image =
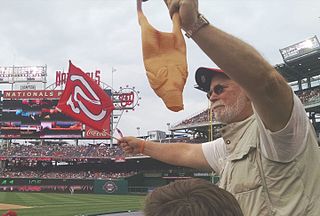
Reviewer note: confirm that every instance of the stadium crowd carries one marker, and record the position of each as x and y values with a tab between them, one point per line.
309	96
62	151
185	139
202	117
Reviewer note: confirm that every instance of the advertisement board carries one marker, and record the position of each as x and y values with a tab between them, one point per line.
46	185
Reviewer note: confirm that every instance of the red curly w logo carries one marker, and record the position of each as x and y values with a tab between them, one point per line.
84	100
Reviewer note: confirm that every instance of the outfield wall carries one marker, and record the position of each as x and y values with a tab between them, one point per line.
141	184
64	185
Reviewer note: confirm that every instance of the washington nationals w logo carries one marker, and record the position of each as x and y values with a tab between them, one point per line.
78	91
84	100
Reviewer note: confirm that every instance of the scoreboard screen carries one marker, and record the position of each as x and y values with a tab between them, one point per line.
36	118
300	49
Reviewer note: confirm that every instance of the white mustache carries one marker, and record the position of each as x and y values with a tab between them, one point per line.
216	104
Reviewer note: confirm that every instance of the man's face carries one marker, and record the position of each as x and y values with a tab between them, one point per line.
229	102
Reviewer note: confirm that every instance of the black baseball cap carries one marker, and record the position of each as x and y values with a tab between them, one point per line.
204	76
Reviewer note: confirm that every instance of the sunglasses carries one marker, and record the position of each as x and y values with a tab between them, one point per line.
218	89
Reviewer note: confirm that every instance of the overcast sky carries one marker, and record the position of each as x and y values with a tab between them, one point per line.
101	34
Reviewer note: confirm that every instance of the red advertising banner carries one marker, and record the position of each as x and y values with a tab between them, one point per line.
32	94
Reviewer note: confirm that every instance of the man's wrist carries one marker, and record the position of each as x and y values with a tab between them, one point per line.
142	146
201	22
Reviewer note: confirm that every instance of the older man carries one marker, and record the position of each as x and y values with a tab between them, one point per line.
268	156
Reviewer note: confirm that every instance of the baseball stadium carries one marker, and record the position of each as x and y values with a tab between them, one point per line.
52	164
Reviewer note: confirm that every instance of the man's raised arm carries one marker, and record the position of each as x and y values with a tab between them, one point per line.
267	89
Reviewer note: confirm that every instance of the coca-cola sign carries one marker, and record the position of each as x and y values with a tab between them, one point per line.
92	133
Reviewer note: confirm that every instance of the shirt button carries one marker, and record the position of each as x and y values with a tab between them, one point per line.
228	142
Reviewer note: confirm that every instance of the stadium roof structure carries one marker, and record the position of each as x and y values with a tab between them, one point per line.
300	68
198	127
301	60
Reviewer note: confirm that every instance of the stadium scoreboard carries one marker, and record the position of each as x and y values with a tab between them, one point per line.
33	115
36	118
300	49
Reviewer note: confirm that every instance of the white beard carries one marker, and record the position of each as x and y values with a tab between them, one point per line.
228	113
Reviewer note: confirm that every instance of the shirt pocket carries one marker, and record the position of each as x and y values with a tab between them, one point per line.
246	185
243	174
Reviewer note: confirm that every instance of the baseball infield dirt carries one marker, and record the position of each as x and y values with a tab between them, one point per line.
4	206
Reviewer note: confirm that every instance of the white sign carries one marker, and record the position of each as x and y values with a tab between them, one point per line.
23	74
300	49
28	87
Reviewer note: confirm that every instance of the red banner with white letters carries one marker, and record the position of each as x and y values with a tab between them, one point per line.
32	94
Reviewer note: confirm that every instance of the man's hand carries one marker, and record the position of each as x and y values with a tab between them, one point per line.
187	9
131	145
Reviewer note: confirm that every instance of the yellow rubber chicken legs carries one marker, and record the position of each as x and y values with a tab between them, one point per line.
164	56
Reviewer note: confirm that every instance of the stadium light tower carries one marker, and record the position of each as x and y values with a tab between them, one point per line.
138	129
171	132
112	71
168	124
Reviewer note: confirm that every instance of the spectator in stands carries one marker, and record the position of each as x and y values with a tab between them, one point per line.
10	213
191	197
268	156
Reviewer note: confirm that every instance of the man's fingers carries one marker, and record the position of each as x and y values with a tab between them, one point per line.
173	9
166	2
127	148
128	144
173	6
122	145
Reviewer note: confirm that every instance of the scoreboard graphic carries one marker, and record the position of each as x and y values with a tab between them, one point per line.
32	114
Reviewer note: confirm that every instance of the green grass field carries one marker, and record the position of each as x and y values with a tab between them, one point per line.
53	204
